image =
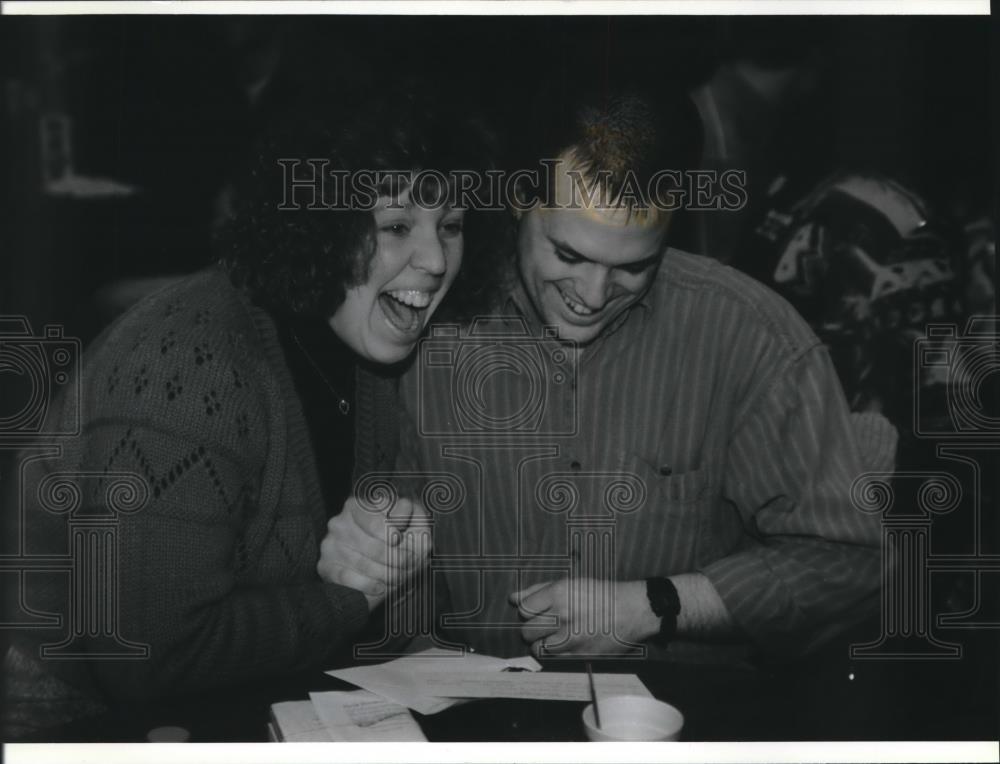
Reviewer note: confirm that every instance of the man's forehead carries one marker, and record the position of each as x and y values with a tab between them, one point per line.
579	232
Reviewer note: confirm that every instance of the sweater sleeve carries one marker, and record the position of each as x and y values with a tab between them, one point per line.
811	564
185	583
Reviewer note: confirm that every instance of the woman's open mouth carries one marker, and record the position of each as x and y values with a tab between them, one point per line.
405	309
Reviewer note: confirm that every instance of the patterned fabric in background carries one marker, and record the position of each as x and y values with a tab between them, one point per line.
871	268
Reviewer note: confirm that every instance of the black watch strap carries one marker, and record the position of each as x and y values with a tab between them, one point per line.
666	605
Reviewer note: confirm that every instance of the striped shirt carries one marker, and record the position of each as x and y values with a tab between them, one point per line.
703	431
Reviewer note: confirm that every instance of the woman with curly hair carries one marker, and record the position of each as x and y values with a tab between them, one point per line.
245	400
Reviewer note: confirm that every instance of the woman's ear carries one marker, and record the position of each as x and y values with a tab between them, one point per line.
521	201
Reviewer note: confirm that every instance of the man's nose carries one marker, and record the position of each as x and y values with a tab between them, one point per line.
593	288
428	254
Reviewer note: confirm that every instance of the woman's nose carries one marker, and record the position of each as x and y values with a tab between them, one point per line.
428	254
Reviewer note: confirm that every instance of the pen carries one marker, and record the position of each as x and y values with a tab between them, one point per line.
593	696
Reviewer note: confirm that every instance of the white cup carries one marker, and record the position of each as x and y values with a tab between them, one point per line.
632	717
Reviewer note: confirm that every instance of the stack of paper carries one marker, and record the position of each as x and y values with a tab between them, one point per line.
357	716
433	680
428	682
405	680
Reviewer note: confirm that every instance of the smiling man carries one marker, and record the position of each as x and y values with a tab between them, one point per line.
584	263
649	446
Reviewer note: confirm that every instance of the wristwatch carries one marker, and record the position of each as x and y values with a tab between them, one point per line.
666	605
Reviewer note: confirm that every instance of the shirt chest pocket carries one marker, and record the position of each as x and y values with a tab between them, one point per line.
666	534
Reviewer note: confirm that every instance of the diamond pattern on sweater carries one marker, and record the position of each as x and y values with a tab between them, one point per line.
203	354
211	401
174	387
168	341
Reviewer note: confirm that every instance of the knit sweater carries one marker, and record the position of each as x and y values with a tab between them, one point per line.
190	392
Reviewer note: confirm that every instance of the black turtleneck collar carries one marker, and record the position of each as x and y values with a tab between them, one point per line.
323	370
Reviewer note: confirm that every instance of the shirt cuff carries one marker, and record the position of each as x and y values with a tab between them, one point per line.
757	601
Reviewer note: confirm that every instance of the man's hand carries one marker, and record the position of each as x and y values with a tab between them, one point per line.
375	552
605	619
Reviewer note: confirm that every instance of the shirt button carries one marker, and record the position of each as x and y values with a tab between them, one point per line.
575	466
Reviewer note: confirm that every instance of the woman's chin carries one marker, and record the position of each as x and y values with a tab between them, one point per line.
388	353
379	342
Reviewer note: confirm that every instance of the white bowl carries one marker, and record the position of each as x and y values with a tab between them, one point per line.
632	717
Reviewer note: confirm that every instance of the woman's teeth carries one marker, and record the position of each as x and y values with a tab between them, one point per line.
411	297
579	308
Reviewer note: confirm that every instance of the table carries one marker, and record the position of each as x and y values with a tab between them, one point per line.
828	697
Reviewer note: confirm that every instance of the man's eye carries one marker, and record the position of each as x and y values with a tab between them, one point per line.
566	257
636	268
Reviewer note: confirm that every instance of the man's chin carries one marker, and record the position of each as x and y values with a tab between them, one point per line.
580	335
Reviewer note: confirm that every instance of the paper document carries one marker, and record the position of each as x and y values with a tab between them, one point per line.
404	680
295	721
360	716
542	686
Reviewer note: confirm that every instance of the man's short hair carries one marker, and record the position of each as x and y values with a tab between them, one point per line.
617	142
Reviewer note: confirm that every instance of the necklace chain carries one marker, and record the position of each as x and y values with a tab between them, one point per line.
342	403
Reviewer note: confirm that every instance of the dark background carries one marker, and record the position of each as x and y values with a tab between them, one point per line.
165	104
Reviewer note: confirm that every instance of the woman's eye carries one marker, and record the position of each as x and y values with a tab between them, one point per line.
452	229
396	229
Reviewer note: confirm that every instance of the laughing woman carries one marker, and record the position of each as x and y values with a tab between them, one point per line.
242	402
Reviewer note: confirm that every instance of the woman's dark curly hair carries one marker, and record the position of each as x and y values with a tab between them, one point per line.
303	260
